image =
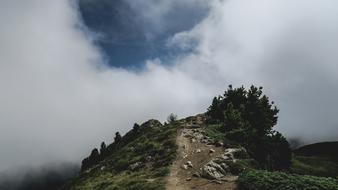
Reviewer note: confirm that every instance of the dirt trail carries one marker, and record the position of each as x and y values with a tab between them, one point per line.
191	149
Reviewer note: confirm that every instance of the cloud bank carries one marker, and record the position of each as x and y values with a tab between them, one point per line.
58	99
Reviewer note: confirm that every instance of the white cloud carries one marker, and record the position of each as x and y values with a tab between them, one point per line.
57	100
289	47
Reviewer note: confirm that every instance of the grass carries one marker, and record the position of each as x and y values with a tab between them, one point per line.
314	165
263	180
216	132
153	146
108	181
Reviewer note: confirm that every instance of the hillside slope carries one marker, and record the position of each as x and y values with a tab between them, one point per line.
172	156
140	160
323	149
319	159
188	154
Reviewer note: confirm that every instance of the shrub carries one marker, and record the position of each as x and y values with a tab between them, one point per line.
263	180
172	118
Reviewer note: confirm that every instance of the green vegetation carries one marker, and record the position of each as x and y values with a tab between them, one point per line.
138	160
320	159
172	118
240	118
247	117
123	181
264	180
215	131
312	165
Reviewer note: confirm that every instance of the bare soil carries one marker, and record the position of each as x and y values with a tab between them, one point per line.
188	150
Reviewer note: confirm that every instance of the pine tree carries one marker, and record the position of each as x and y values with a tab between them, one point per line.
117	138
103	150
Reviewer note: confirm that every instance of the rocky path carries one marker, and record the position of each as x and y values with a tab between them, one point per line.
195	151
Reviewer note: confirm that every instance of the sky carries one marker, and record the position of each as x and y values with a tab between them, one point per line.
72	73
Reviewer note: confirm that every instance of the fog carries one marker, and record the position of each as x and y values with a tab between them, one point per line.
58	99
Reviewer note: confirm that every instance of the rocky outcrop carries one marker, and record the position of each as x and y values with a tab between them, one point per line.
220	166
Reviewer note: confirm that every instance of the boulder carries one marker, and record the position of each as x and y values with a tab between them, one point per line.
148	158
196	174
213	170
189	164
220	167
135	166
184	166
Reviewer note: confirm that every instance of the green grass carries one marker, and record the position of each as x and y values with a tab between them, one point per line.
263	180
152	139
124	181
215	132
314	165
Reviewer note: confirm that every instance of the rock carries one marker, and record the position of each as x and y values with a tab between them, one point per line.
218	144
188	179
189	164
211	150
185	156
219	167
135	165
102	168
207	141
148	158
213	170
184	166
196	174
230	178
193	140
198	151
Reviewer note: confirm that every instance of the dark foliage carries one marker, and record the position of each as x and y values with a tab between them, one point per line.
319	149
172	118
93	159
248	118
117	138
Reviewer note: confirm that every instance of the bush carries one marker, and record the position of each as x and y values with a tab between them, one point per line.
172	118
263	180
235	167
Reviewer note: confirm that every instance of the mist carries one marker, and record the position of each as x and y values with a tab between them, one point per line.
59	99
52	177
